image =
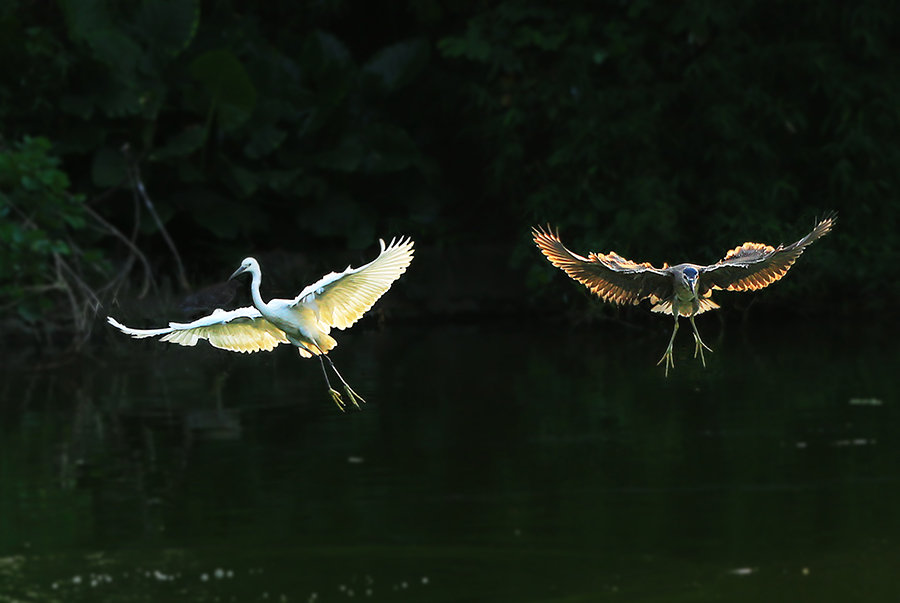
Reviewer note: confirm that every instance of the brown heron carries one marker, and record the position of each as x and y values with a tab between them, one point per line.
682	290
336	300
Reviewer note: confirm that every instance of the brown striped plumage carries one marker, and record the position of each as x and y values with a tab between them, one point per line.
684	289
752	266
611	277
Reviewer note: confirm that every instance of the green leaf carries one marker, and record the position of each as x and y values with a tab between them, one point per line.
232	93
245	181
217	214
390	149
330	51
91	22
346	157
182	144
120	100
168	25
79	105
264	140
398	64
108	167
473	46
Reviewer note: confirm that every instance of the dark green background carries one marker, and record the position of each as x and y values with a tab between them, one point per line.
300	132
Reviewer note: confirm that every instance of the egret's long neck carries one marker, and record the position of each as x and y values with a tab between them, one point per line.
254	293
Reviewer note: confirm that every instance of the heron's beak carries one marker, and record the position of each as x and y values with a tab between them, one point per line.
240	270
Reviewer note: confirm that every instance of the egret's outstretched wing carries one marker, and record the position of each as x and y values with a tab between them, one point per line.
610	276
340	299
241	330
753	266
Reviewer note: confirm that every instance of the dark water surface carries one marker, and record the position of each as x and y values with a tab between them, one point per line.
490	464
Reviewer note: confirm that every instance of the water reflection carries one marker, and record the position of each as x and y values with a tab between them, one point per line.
490	464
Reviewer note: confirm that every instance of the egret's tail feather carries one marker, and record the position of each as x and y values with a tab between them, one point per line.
323	344
136	333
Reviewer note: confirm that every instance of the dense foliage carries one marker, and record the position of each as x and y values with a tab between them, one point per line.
665	131
47	253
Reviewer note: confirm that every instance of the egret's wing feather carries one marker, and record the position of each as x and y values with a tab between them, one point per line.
241	330
753	266
340	299
610	276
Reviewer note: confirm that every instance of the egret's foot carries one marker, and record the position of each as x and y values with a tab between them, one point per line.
336	396
698	348
353	396
668	358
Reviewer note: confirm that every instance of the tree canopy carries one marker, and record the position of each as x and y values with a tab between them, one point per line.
171	136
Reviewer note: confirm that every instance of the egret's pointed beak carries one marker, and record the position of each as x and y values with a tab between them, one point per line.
693	283
240	270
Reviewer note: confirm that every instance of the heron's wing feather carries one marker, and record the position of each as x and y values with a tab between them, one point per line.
610	276
753	266
241	330
340	299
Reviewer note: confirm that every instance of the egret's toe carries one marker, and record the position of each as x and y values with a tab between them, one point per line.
336	396
353	396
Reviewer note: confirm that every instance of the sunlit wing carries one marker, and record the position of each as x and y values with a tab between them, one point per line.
340	299
241	330
753	266
610	276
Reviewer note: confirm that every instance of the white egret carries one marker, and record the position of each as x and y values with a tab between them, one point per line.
337	300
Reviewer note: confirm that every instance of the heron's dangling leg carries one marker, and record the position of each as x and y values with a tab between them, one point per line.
667	357
698	344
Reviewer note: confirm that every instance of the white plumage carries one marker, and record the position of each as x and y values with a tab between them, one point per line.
337	300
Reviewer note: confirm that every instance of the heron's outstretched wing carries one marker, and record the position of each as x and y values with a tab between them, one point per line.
610	276
753	266
340	299
241	330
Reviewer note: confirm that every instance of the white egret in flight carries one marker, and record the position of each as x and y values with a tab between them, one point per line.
337	299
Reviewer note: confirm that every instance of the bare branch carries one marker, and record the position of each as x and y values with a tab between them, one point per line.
134	174
148	275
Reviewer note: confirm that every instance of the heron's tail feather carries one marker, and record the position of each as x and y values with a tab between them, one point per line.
665	306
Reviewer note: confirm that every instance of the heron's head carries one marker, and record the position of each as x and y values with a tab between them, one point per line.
690	277
248	265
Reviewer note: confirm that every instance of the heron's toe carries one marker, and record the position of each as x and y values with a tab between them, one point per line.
668	358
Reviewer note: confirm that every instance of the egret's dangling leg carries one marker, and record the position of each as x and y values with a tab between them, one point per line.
350	393
698	344
335	395
667	357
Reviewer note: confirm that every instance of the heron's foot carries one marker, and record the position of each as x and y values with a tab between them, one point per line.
698	348
668	358
336	396
353	396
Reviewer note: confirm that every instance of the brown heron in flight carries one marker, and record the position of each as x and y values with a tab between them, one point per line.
336	300
682	290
